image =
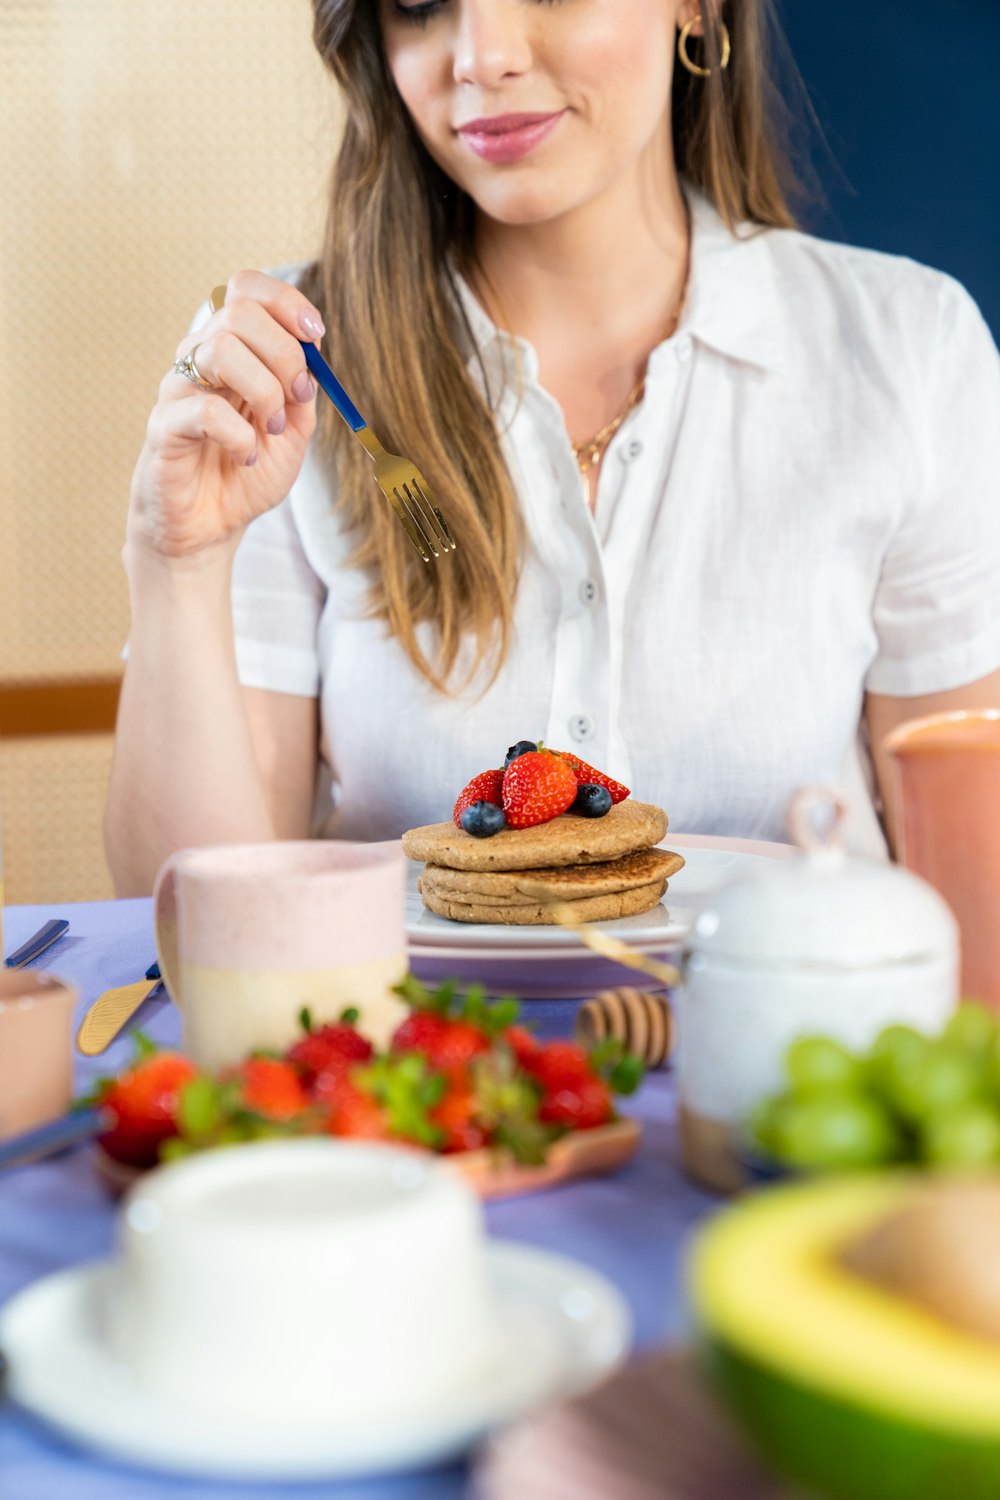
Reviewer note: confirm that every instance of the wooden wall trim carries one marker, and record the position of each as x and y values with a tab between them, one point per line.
71	707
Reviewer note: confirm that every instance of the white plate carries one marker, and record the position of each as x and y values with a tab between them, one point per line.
564	1328
709	863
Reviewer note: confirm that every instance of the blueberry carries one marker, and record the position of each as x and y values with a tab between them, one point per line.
521	748
483	819
592	801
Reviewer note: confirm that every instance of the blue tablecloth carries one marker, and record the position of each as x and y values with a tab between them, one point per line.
632	1226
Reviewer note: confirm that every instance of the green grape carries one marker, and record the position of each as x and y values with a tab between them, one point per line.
831	1130
973	1026
815	1064
941	1081
766	1119
968	1136
893	1057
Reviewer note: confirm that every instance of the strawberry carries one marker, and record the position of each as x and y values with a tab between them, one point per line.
572	1093
144	1102
357	1114
580	1105
524	1045
330	1049
558	1064
272	1088
403	1091
587	774
486	787
456	1117
537	786
448	1045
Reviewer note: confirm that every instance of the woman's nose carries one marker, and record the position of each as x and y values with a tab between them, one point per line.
491	41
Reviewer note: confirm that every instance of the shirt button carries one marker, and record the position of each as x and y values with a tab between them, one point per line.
630	451
682	349
582	727
588	591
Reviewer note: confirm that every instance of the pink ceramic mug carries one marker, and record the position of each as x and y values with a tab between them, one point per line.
249	935
36	1049
948	777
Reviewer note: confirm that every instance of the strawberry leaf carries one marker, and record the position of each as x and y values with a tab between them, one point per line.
621	1070
143	1046
626	1076
199	1107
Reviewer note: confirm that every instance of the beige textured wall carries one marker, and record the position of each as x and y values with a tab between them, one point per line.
149	148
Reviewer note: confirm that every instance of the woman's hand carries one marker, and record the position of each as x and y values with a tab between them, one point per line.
213	460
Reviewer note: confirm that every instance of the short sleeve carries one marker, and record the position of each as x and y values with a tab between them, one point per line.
937	607
277	603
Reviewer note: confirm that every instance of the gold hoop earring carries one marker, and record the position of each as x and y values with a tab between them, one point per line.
682	52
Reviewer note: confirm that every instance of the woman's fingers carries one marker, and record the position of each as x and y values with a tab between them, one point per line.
229	364
244	349
202	416
284	302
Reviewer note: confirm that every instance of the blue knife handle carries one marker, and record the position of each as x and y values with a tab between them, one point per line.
69	1130
329	383
36	945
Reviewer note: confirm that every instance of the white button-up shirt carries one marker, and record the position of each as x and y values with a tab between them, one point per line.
804	506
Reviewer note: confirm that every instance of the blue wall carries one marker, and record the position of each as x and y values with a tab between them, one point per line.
908	94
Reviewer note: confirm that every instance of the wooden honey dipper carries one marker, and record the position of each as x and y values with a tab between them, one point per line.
642	1022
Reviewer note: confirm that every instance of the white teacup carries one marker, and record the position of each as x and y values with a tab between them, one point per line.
297	1283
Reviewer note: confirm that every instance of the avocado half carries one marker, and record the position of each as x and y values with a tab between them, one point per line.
845	1387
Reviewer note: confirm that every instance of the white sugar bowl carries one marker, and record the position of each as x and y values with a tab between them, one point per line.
819	943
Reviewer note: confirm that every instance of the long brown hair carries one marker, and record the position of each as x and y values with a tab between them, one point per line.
397	230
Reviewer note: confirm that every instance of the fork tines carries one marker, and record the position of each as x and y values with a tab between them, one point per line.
421	519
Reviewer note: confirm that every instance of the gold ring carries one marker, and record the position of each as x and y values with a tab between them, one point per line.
185	365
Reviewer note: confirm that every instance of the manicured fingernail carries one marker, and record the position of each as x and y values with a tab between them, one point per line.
276	424
251	460
302	387
312	324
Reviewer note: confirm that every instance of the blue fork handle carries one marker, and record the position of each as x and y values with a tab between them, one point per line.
329	382
37	943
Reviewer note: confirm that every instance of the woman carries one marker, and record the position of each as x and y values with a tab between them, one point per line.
725	496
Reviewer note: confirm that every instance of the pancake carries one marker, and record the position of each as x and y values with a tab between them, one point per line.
561	883
589	909
566	840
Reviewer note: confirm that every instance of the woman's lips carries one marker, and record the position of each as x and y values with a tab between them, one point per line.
506	138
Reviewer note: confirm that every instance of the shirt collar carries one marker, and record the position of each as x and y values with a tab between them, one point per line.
732	297
731	303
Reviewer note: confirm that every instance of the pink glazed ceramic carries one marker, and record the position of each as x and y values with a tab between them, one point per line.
948	769
249	934
36	1049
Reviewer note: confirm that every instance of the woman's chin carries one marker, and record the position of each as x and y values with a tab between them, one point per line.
525	206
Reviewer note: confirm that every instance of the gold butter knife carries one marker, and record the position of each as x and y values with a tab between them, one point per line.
110	1011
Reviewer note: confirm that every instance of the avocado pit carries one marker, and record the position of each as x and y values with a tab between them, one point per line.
940	1252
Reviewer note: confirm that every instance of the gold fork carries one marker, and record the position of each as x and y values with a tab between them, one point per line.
402	484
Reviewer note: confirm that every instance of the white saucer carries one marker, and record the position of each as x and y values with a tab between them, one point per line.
565	1327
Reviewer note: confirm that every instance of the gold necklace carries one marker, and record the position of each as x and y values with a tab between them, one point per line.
590	453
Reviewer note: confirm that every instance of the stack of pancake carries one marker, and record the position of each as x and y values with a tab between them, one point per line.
602	867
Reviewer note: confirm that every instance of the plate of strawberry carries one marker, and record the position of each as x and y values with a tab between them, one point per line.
462	1077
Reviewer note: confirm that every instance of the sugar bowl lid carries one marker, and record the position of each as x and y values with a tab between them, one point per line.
821	907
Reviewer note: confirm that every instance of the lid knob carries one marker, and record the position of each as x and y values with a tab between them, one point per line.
817	820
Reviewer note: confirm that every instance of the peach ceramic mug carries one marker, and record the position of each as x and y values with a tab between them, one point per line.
948	778
36	1049
248	935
